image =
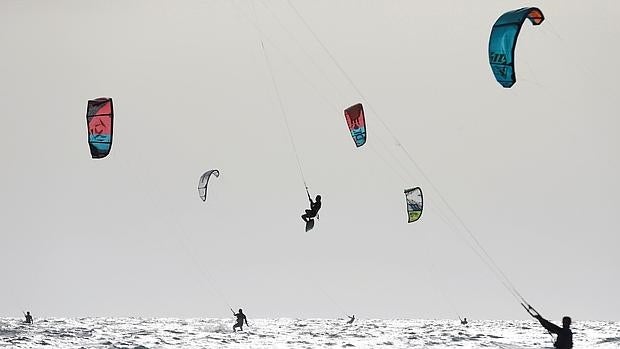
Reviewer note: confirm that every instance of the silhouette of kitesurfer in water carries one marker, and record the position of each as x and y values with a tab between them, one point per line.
464	321
565	335
28	317
240	319
351	319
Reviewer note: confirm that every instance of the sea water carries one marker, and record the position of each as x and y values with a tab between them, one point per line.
138	333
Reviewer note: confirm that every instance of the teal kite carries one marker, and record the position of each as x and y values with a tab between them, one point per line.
504	39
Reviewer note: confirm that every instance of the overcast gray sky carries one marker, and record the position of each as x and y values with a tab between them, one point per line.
531	170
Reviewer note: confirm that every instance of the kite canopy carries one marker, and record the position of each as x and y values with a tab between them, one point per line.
415	203
99	119
357	123
504	39
204	181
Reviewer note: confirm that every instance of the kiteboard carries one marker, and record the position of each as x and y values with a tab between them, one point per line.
309	225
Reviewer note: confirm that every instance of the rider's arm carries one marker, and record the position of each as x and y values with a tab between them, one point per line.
551	327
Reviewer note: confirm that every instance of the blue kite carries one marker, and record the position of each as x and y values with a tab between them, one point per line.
504	39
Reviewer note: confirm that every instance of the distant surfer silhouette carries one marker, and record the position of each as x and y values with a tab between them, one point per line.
240	319
565	335
315	206
28	317
351	319
464	321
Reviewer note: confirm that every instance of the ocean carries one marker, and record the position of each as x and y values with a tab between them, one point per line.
139	333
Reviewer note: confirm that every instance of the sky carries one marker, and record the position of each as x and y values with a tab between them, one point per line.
531	171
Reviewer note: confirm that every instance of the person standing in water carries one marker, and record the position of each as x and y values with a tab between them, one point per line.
564	334
28	318
464	321
240	319
351	319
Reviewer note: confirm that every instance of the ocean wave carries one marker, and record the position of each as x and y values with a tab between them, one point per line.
135	333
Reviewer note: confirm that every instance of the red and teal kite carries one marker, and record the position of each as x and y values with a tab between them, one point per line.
357	123
99	119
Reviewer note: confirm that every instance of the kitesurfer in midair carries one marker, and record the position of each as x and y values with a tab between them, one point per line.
28	317
351	319
240	319
565	335
315	206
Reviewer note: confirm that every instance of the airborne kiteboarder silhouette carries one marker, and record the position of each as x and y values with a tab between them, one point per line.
315	206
